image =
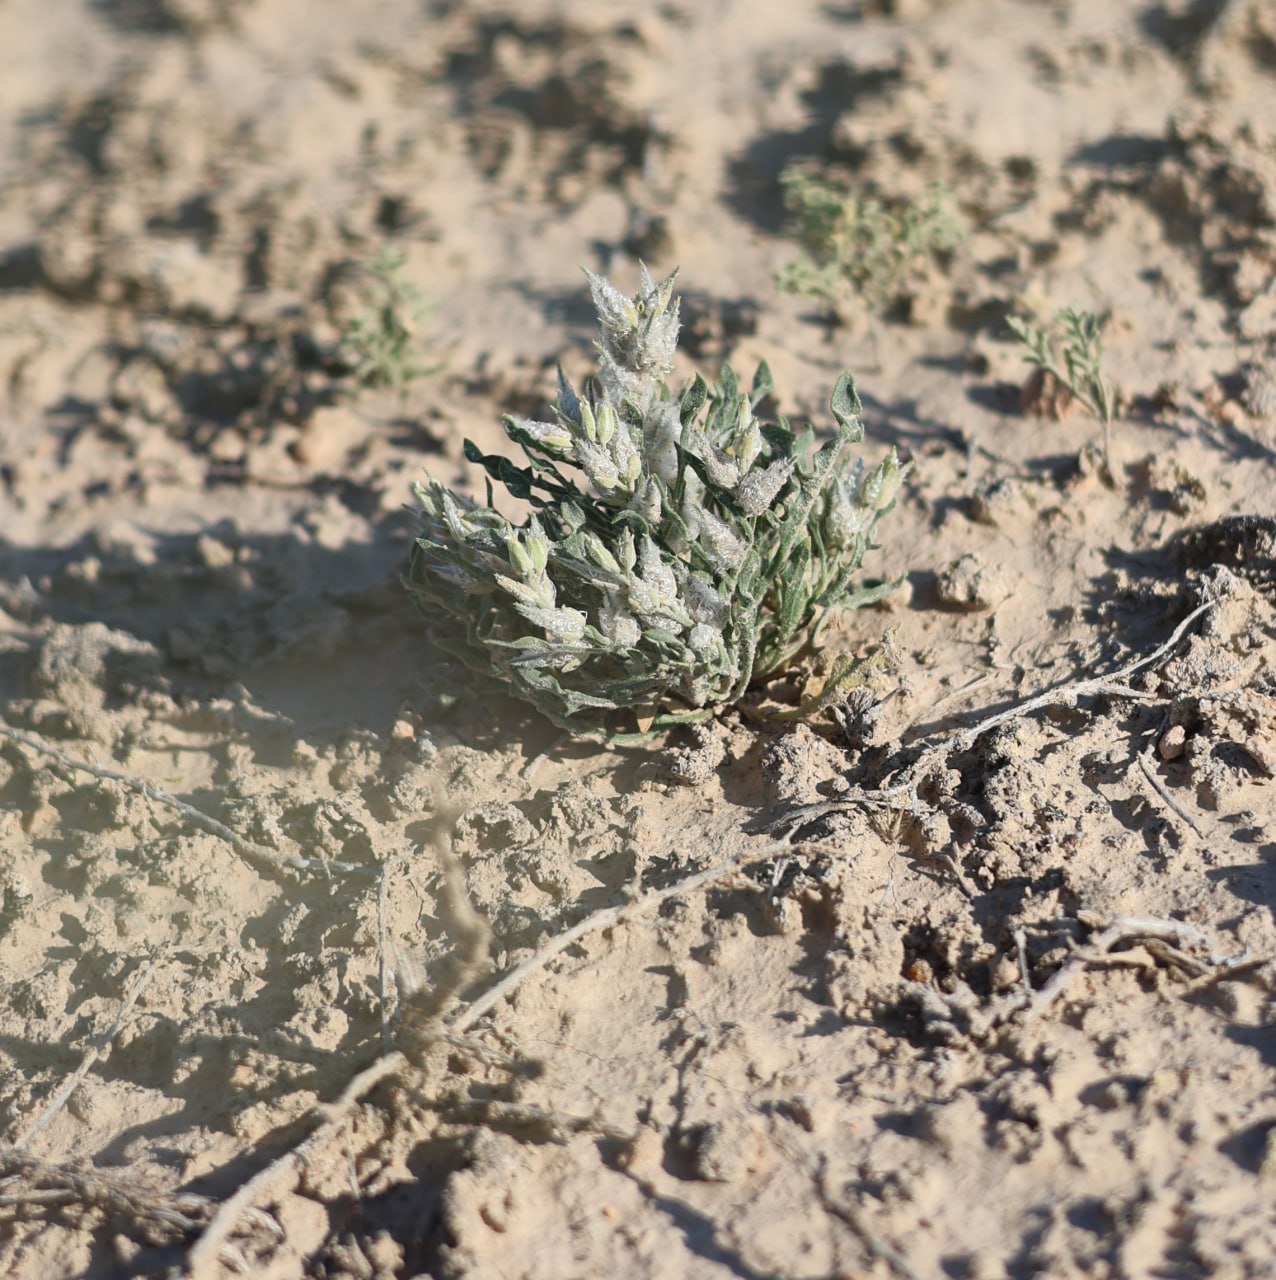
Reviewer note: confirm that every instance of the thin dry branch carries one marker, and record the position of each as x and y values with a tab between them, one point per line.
27	1179
556	1126
471	937
383	968
72	1082
1173	941
273	859
854	1218
608	917
281	1176
1145	767
902	794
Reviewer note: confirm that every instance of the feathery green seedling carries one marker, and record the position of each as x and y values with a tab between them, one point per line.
386	339
677	547
862	249
1070	350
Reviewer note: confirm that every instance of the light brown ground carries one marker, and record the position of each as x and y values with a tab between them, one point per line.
812	1068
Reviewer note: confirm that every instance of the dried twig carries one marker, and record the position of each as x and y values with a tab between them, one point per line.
274	859
71	1083
557	1126
471	937
902	794
281	1175
1145	766
1185	943
428	1027
1021	947
854	1218
27	1179
383	975
608	917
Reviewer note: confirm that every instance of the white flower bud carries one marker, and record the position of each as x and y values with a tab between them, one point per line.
518	557
746	439
757	491
452	514
597	551
598	464
722	469
563	626
656	572
615	311
703	600
647	501
626	552
551	436
724	551
878	489
538	594
704	640
661	432
606	423
618	624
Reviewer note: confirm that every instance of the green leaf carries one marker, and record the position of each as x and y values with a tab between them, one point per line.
763	384
780	437
847	409
794	595
693	400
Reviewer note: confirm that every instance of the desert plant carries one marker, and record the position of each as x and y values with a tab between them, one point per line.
385	339
677	549
1070	350
863	249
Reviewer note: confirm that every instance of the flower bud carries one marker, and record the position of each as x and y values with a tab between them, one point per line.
757	491
704	640
618	624
606	423
537	545
564	626
596	550
879	487
626	553
518	556
554	437
746	440
724	551
598	464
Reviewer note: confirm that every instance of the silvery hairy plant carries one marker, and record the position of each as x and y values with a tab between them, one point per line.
677	547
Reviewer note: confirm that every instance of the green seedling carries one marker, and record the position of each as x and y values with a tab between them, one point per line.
1070	350
386	338
677	546
862	250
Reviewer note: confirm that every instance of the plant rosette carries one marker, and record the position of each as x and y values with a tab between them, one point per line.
677	547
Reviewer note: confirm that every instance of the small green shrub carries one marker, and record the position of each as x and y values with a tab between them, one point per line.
1070	350
677	546
862	250
385	340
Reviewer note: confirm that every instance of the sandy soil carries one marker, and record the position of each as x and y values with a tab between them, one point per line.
925	1040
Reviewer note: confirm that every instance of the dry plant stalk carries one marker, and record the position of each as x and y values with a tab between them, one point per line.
428	1026
1172	941
901	795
